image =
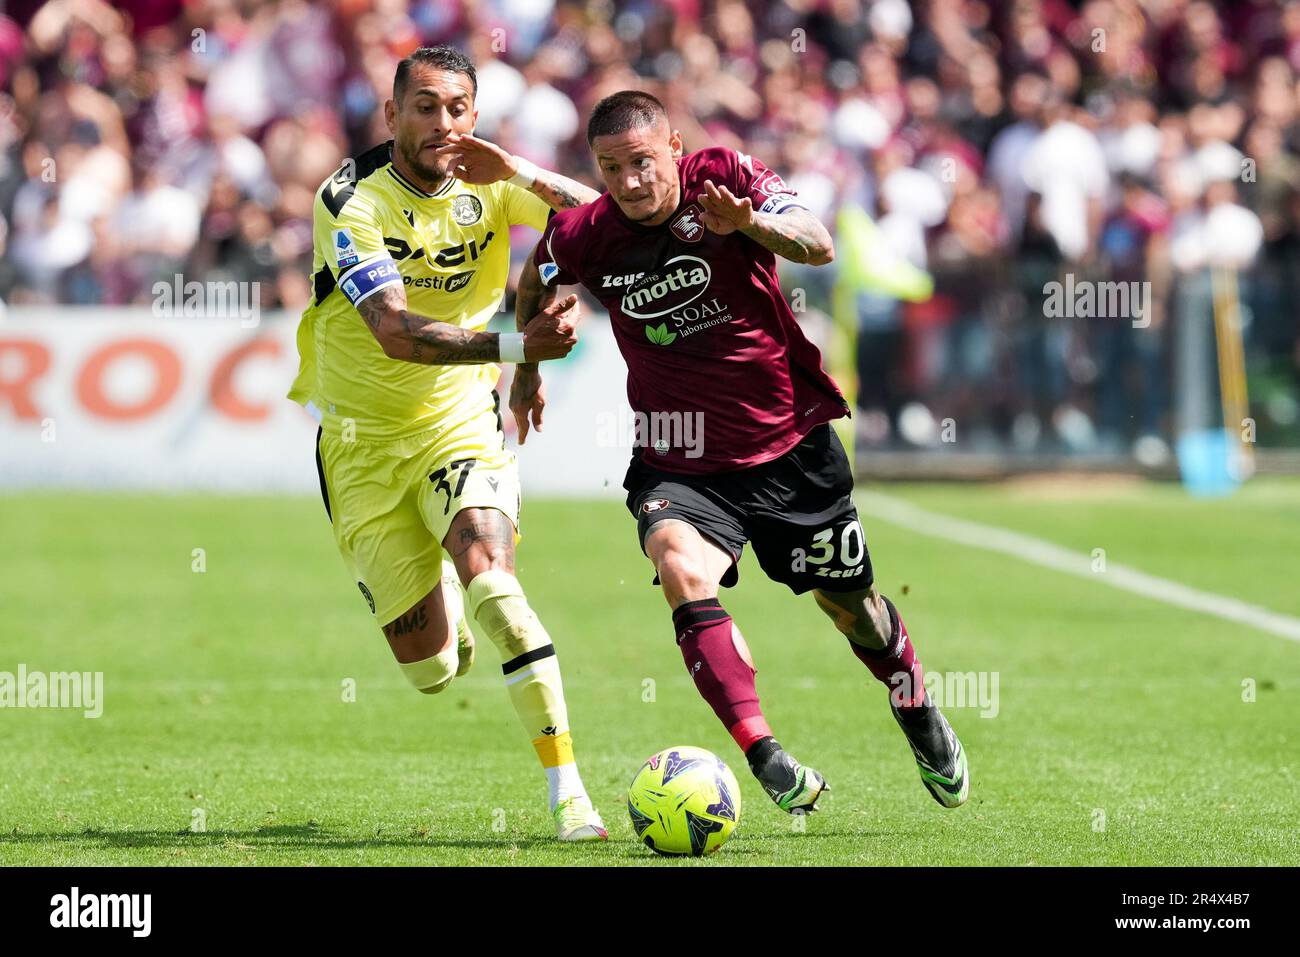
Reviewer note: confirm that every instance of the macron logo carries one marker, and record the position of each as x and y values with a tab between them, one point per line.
103	910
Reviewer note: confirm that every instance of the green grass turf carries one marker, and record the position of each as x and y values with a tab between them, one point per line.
223	692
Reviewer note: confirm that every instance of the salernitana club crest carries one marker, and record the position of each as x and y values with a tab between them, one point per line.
466	209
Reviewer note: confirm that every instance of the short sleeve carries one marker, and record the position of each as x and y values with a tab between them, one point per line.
523	207
553	257
349	239
764	187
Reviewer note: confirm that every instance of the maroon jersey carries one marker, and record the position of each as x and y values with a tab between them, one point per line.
700	320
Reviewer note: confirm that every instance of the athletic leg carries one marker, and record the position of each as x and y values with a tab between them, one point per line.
385	545
481	545
806	534
880	641
691	567
453	597
423	642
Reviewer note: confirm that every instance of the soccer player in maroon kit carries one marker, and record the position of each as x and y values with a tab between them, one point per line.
682	252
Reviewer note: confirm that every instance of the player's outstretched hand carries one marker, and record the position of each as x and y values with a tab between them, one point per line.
723	212
527	397
477	161
552	332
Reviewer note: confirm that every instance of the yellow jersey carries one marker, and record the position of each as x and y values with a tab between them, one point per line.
450	250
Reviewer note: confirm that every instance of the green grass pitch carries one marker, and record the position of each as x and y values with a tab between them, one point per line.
1121	737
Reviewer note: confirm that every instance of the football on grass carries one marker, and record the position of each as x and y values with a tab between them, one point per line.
684	801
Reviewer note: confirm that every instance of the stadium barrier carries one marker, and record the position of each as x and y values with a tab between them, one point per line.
94	398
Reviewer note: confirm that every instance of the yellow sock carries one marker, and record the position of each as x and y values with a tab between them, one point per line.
554	750
532	675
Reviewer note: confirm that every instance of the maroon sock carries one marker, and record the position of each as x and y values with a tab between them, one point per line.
896	665
718	661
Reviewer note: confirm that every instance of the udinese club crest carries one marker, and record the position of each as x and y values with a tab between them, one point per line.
687	226
466	210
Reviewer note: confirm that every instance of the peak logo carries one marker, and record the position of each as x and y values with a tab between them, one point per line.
681	281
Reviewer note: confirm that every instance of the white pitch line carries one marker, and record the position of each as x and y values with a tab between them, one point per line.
904	514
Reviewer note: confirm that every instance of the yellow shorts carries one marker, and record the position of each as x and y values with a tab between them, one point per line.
392	502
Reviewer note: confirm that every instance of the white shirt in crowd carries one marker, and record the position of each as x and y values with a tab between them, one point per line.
1067	166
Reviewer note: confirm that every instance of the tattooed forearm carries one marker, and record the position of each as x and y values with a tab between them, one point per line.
414	338
796	235
531	297
373	308
560	192
432	342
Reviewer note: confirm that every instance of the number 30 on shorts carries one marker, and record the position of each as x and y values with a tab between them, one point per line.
832	555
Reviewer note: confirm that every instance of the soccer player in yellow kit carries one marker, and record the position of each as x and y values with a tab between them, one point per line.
412	251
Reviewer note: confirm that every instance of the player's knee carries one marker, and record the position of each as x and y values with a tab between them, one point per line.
436	688
489	557
432	675
684	577
484	540
496	601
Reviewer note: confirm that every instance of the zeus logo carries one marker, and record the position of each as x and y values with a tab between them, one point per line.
624	280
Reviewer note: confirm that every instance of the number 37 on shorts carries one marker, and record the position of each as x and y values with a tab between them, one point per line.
483	481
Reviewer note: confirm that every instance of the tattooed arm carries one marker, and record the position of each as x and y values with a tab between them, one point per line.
527	394
414	338
531	297
480	161
405	335
796	234
560	192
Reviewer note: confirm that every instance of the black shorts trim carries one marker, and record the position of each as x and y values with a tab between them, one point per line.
320	474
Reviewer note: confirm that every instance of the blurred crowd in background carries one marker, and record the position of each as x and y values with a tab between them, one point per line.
969	153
